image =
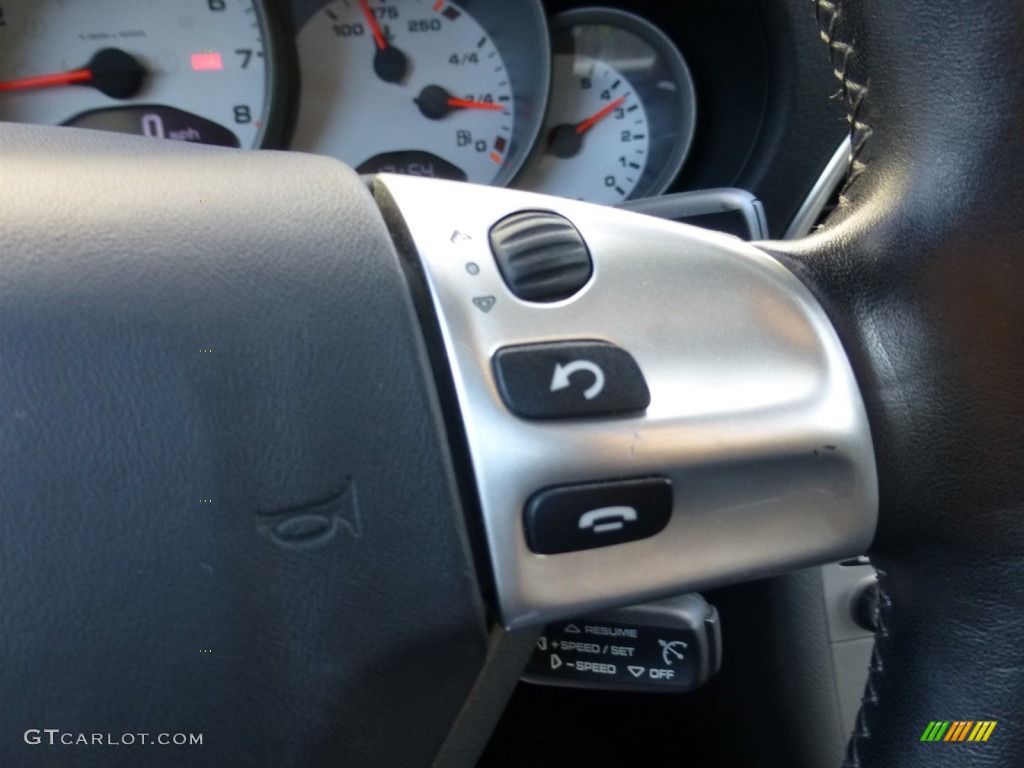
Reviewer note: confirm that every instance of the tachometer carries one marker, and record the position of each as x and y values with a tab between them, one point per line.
424	87
194	70
622	110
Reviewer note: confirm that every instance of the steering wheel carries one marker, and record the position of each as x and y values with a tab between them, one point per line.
916	269
264	466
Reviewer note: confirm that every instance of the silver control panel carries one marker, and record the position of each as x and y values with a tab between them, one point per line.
754	420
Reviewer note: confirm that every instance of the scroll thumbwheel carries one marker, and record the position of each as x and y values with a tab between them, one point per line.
541	255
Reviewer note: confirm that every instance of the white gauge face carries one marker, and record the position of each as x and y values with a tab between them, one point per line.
595	140
622	112
404	86
196	70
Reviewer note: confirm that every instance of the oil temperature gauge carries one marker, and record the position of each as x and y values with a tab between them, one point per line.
454	90
622	110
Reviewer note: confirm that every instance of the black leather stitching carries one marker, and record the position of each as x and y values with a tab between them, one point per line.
829	15
854	94
875	670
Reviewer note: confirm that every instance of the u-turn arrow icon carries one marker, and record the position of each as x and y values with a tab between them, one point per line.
562	373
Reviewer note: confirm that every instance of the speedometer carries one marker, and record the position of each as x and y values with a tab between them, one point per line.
194	70
424	87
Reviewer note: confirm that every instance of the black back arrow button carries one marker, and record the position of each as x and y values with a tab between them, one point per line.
570	379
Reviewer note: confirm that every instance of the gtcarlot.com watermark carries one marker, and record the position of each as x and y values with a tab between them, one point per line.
56	737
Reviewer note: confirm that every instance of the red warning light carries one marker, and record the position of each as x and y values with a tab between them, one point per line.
206	61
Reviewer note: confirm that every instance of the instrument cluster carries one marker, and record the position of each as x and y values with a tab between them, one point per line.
593	103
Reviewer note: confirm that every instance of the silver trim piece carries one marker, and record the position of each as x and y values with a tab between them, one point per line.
755	415
822	190
682	205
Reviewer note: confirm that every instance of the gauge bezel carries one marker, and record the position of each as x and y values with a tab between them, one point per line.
527	57
282	61
657	174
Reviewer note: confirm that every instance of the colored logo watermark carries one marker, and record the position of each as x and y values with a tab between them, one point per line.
958	730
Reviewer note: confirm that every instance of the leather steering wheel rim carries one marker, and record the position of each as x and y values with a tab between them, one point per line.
920	269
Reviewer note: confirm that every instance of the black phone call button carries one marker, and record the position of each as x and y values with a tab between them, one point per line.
570	518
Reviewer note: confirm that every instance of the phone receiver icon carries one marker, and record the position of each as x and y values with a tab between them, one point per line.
607	519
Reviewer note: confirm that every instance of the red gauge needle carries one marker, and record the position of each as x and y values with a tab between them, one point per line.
467	104
435	102
44	81
389	63
595	118
110	71
565	140
378	36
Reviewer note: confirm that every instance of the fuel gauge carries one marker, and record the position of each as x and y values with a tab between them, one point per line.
621	115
